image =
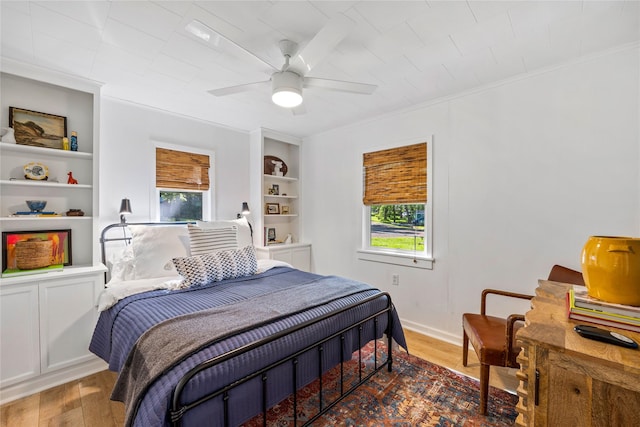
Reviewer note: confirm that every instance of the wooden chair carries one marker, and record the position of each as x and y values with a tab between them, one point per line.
493	338
566	275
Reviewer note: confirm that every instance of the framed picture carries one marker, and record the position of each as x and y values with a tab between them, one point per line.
284	209
271	234
37	129
274	190
273	208
27	252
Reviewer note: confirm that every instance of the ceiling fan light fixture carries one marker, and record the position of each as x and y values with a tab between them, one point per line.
287	98
287	89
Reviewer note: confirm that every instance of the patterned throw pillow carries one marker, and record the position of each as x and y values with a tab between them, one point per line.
209	240
216	266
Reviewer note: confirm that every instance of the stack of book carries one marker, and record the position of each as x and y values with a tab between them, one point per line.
588	309
36	214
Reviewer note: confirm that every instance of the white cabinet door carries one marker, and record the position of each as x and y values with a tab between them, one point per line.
68	316
19	334
297	254
301	258
282	255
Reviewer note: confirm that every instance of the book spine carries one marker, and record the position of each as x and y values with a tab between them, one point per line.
607	308
604	322
607	316
599	313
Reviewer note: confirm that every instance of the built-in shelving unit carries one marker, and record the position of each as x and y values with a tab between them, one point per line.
273	193
46	319
78	100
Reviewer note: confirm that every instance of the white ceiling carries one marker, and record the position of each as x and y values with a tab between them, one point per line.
415	51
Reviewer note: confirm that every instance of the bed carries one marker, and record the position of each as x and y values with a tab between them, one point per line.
202	333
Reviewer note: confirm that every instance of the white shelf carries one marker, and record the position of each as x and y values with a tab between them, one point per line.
49	152
280	215
65	272
26	183
45	218
274	196
280	178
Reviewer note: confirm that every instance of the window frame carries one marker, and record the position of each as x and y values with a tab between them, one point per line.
207	195
423	259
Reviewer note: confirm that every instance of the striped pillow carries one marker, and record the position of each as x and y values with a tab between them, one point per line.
204	241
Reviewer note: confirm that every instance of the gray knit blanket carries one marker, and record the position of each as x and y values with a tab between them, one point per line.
168	343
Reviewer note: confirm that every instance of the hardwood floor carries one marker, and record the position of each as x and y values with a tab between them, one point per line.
85	402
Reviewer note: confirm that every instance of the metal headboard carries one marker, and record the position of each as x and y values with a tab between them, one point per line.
125	236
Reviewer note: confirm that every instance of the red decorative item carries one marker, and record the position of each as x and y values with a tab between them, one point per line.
71	179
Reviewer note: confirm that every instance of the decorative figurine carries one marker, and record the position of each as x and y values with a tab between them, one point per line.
277	168
74	141
71	179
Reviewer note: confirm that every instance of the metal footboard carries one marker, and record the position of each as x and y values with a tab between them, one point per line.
178	409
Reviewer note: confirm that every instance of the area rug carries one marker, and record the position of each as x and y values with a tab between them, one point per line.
415	393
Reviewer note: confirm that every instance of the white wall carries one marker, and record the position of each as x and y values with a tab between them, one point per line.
524	172
128	133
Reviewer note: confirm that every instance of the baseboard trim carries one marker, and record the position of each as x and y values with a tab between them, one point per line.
431	332
51	379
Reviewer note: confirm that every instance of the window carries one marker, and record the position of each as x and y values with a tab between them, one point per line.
180	205
397	227
182	185
397	212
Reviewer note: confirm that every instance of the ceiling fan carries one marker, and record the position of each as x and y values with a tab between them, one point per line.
288	81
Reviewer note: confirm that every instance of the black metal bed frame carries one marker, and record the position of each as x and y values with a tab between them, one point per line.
178	409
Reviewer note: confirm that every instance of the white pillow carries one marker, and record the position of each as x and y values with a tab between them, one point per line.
216	266
207	240
121	264
244	230
154	246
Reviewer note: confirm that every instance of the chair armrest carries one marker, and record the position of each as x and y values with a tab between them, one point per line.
511	320
483	302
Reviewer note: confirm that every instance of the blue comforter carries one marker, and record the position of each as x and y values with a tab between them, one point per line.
120	327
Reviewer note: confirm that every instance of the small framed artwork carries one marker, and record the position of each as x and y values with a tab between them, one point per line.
272	209
284	209
271	234
274	190
37	129
30	252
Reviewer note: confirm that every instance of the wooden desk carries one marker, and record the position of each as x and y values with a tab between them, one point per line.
567	380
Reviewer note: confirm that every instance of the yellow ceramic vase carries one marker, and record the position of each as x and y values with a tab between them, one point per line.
611	269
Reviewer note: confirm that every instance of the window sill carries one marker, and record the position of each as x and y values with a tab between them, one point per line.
405	260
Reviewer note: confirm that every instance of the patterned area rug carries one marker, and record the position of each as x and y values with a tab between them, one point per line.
415	393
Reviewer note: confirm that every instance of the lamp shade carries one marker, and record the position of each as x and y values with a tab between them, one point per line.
245	208
125	207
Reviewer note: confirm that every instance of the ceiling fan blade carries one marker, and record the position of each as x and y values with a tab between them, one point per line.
322	43
212	37
339	85
236	89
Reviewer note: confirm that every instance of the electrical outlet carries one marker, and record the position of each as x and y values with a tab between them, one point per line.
395	279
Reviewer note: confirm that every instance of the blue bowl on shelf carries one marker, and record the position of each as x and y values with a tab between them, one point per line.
36	205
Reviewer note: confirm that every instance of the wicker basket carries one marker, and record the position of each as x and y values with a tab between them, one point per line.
33	253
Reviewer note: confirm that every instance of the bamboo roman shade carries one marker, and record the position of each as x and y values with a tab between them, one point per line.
181	170
395	176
